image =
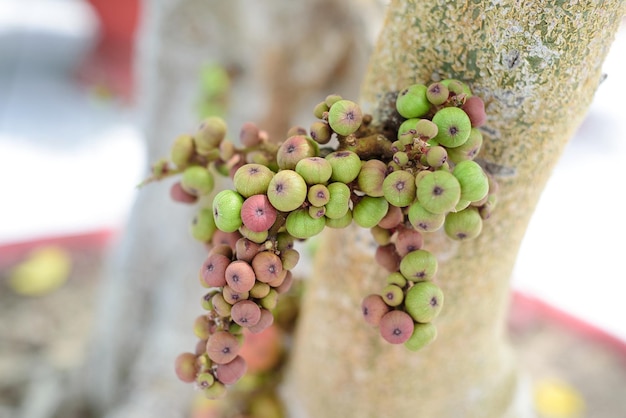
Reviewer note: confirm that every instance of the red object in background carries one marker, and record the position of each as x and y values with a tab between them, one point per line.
13	253
527	310
108	67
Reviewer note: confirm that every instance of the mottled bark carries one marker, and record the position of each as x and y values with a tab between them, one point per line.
537	65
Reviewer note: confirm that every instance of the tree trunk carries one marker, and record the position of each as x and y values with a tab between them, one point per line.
536	64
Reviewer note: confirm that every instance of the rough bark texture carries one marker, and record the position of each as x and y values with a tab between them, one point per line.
537	65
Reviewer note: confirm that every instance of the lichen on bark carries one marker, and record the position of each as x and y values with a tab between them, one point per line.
536	65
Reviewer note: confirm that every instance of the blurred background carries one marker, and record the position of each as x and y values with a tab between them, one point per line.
73	148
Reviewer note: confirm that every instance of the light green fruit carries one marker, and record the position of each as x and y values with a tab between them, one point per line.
345	117
457	87
210	133
424	220
453	126
220	306
182	150
396	278
418	265
420	175
216	391
461	205
369	211
423	334
227	150
287	190
405	127
382	236
392	295
301	225
197	180
314	170
473	180
437	93
317	211
371	177
436	156
266	405
401	158
227	210
315	145
331	99
269	302
439	192
423	301
259	290
203	226
320	132
318	195
339	201
339	223
294	149
426	129
251	179
469	149
284	241
289	258
464	225
412	101
346	165
399	188
205	380
256	237
319	109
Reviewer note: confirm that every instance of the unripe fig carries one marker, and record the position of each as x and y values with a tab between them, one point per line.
287	190
423	334
251	179
346	166
412	101
473	180
227	210
369	211
314	170
423	301
345	117
301	225
453	125
182	150
197	180
419	265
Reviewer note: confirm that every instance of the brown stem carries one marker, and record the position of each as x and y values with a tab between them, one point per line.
371	146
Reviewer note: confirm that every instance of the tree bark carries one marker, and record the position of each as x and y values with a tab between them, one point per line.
536	64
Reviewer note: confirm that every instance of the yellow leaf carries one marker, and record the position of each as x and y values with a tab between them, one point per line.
45	270
558	399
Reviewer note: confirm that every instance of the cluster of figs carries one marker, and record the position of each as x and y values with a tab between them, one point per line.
340	171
